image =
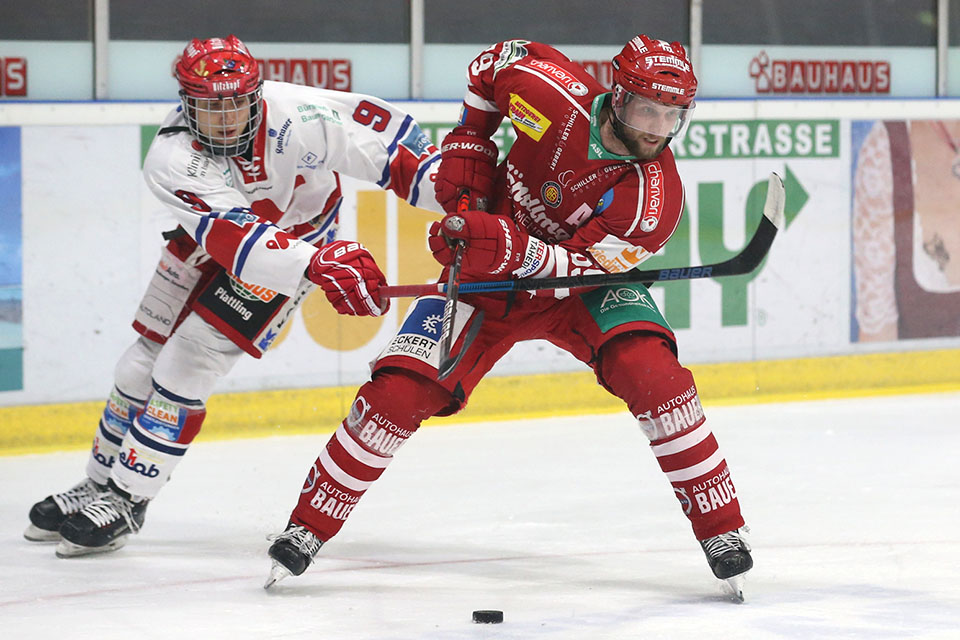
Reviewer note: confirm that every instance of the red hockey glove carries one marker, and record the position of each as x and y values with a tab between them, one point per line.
495	244
350	278
467	161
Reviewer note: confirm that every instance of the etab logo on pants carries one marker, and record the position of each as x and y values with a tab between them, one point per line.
130	460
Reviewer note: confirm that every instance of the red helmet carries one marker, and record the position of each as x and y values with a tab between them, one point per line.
648	70
220	88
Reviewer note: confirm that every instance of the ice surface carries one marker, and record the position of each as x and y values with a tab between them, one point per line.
567	525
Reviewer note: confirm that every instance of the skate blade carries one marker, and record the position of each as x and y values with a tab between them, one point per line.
733	588
67	549
36	534
277	573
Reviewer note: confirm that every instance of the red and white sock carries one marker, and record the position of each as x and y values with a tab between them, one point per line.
385	413
644	371
701	480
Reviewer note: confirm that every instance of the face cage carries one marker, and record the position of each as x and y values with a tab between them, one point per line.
650	116
192	107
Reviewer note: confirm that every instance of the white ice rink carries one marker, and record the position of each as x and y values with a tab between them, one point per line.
567	525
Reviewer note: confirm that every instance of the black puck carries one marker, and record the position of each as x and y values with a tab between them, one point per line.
488	616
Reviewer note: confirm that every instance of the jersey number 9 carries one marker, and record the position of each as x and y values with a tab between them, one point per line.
371	115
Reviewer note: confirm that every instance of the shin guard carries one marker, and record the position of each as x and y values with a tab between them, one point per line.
643	370
156	442
385	413
114	424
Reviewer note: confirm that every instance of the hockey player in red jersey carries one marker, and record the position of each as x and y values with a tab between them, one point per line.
251	171
590	185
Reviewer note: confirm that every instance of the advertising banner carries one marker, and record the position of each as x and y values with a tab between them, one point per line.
816	72
11	268
143	69
863	263
905	240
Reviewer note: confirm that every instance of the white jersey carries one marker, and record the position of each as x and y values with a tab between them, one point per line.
263	218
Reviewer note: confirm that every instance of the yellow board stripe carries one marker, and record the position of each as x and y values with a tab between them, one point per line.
57	427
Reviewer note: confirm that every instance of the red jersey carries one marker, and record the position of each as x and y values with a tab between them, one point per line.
558	182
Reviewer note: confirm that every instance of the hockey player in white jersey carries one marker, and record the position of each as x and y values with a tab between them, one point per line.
251	170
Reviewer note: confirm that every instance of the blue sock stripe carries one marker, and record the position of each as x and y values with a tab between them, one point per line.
169	395
142	437
137	401
108	435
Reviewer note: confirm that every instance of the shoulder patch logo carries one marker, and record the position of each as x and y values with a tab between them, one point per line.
512	51
526	118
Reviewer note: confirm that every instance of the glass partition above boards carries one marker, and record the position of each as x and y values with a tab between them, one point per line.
819	48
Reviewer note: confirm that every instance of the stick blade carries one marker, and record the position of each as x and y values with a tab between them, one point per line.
776	199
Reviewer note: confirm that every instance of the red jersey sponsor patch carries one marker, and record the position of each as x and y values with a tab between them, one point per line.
652	197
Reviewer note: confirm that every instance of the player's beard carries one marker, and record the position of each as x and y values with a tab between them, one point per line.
637	148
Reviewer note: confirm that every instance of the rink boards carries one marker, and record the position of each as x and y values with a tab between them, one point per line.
89	238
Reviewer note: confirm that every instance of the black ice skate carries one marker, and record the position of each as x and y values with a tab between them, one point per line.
728	555
292	552
47	515
103	525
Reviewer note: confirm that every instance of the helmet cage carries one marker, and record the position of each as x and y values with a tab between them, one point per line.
210	119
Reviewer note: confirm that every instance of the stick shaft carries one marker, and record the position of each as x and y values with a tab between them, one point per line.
447	363
740	264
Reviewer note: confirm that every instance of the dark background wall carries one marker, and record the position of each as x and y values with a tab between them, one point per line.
789	22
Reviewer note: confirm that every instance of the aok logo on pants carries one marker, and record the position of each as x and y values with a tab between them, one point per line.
617	297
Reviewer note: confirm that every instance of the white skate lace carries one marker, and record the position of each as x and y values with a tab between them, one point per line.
721	544
110	507
304	540
71	501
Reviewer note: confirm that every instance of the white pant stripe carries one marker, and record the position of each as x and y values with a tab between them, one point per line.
699	469
339	475
355	450
684	442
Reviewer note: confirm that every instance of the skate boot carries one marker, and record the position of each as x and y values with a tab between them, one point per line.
47	515
103	525
292	552
728	555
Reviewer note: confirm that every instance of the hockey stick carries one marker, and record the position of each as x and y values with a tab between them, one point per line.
744	262
447	363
